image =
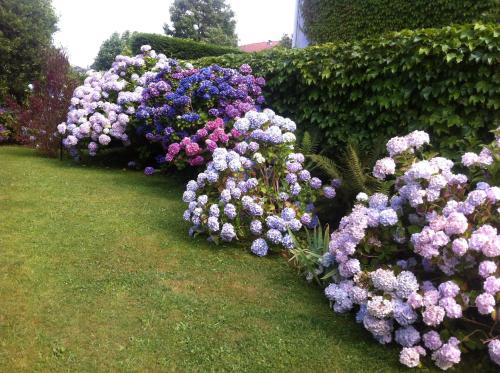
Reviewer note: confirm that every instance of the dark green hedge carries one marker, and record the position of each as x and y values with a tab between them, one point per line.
444	81
343	20
183	49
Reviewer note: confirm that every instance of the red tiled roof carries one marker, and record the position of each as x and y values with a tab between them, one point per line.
257	47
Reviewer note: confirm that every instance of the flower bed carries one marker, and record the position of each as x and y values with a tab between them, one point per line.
150	100
257	189
421	266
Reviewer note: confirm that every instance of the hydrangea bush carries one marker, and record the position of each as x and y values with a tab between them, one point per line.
257	190
185	109
421	266
103	106
150	100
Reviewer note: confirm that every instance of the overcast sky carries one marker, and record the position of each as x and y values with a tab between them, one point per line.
84	25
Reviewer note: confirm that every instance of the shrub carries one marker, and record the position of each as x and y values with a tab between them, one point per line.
182	49
343	20
443	81
6	125
177	103
35	120
160	106
256	188
102	108
421	265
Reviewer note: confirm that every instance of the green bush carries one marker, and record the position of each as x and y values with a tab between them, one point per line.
343	20
444	81
183	49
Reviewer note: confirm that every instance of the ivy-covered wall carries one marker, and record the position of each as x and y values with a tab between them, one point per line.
334	20
445	81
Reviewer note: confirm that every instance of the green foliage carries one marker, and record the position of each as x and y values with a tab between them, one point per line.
109	49
26	28
286	41
308	250
177	48
209	21
341	20
443	81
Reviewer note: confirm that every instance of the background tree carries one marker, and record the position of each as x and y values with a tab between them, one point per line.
26	28
110	48
210	21
286	41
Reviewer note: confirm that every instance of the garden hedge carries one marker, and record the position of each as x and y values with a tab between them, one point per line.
444	81
336	20
177	48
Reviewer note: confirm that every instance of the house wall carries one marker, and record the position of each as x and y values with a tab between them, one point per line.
299	39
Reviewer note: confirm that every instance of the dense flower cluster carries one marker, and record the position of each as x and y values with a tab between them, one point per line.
151	99
103	106
257	189
177	102
422	263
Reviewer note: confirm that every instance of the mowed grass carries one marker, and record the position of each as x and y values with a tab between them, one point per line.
97	274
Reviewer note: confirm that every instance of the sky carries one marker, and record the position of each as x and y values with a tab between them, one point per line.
84	25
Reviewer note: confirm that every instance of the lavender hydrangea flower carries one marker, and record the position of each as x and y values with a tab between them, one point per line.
494	351
213	224
432	340
227	232
407	336
485	303
256	227
259	247
410	356
447	355
433	315
274	236
384	279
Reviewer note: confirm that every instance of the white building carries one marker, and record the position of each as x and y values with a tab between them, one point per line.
299	39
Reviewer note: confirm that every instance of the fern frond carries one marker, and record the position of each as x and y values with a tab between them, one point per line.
326	164
309	143
354	168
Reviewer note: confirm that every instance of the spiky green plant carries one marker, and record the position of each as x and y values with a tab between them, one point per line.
309	249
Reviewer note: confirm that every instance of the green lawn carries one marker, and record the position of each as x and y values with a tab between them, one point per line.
97	273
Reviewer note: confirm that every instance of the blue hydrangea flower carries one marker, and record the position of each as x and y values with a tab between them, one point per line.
256	209
315	183
288	213
230	211
294	225
227	232
214	211
188	196
256	227
259	247
291	178
275	222
274	236
295	189
213	224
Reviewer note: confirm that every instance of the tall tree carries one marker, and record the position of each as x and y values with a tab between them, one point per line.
26	28
210	21
109	49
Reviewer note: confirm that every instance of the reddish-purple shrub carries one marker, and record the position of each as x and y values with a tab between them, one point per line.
47	105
